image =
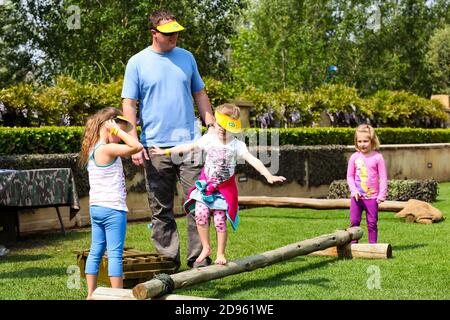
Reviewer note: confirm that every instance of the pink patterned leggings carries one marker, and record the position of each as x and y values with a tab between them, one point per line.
202	217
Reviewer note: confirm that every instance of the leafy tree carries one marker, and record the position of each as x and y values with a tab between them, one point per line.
393	55
438	58
375	44
284	44
93	40
15	59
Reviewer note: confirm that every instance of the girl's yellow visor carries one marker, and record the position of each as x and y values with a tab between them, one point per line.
229	124
128	127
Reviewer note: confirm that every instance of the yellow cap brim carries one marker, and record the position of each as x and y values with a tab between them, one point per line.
228	123
123	119
170	27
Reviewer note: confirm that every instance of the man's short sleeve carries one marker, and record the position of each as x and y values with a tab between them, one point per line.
197	83
130	88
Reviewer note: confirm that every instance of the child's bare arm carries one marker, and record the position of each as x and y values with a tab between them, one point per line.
177	149
258	165
131	146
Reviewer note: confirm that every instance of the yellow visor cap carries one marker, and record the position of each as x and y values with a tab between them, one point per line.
170	27
123	119
229	124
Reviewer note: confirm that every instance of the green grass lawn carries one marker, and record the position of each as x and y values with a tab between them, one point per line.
36	267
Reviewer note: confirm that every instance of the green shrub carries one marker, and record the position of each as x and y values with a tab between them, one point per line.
219	92
68	139
43	140
344	108
18	106
316	136
345	136
398	190
264	113
283	109
412	135
292	109
341	104
404	109
69	102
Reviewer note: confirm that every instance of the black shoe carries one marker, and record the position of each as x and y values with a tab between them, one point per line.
176	264
193	264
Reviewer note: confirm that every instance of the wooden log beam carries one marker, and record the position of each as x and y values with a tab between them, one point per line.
102	293
312	203
357	250
188	278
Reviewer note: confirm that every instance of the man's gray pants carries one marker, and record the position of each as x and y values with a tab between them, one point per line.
161	175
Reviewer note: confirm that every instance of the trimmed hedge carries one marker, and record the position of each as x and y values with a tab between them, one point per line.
398	190
68	139
43	140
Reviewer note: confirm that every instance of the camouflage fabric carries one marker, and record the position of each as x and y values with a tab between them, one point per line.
39	188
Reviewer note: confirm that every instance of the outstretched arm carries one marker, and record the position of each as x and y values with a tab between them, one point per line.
258	165
177	149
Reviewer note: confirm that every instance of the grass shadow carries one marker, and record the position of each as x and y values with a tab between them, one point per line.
293	217
408	247
279	279
33	272
23	257
36	240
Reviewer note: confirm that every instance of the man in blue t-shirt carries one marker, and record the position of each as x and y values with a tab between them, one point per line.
165	80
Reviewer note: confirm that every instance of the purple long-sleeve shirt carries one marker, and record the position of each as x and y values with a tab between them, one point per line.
367	176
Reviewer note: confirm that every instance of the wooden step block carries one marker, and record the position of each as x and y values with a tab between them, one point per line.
138	266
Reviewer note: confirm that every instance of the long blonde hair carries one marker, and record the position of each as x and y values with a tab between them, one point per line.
92	128
365	128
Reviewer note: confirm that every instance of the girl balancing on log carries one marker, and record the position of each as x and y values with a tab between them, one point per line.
216	191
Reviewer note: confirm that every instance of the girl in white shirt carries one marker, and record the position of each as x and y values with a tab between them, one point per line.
216	190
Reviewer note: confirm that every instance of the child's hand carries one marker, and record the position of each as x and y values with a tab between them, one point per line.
157	151
271	179
110	124
357	196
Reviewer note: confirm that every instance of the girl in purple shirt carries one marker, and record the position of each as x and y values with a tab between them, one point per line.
367	180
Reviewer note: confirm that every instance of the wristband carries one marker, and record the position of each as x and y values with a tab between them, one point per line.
114	131
167	153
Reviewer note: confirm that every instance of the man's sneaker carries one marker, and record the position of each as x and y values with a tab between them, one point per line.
194	264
